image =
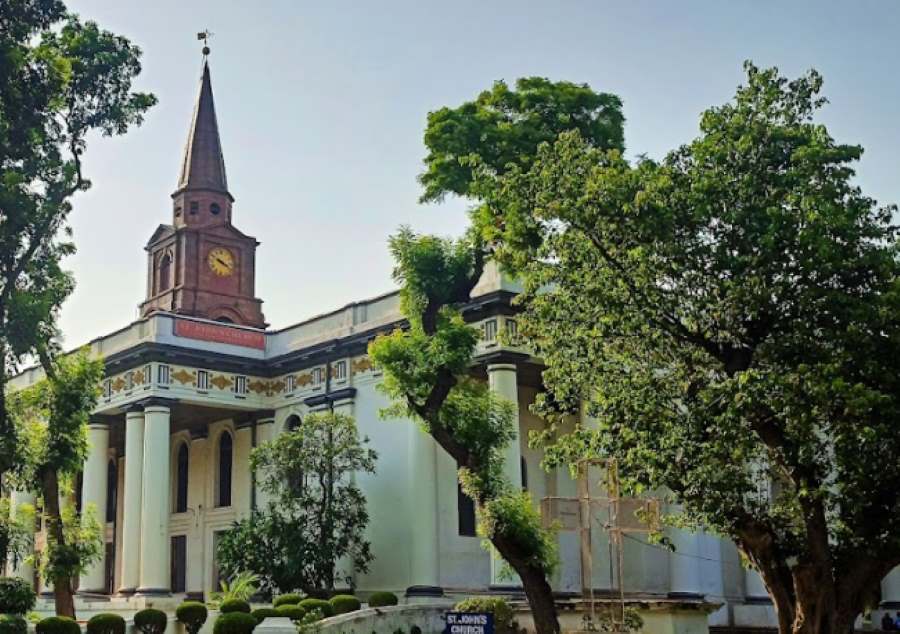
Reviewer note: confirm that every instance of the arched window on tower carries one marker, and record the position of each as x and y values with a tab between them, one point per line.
181	478
112	482
164	281
226	445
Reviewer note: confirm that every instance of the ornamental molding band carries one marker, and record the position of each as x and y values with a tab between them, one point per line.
220	334
220	381
184	377
361	364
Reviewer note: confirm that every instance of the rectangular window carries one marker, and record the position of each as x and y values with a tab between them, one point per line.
290	384
163	374
318	376
240	384
202	380
107	388
129	380
340	371
148	374
465	509
179	563
490	330
512	330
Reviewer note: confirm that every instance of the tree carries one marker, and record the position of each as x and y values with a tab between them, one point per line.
52	415
316	514
16	531
426	372
729	315
60	80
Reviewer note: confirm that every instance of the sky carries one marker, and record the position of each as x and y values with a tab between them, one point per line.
322	107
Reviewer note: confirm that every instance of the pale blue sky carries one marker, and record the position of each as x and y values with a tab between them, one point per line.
322	105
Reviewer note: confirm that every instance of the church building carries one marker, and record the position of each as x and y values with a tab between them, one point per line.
199	380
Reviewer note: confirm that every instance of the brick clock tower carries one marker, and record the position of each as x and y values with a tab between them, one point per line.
201	265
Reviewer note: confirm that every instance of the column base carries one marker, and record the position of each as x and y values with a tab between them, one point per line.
125	592
196	595
424	591
92	595
153	592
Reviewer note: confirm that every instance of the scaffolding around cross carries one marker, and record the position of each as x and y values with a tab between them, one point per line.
599	500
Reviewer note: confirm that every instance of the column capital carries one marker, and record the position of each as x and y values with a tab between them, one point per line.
499	367
98	424
157	403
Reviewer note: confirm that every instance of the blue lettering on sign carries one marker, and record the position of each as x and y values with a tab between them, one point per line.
469	623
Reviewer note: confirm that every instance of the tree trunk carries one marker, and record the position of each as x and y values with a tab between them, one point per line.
534	582
62	584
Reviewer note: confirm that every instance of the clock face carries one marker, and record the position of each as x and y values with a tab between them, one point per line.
221	261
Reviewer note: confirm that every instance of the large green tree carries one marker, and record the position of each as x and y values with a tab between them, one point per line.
729	315
60	80
316	514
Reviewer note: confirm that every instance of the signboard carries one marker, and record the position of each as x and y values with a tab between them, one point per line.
220	334
469	623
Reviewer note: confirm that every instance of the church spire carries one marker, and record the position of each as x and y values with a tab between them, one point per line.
203	166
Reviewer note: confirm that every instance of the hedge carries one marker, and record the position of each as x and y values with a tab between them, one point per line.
57	625
234	623
381	599
234	605
151	621
343	603
317	604
503	614
287	599
261	613
191	614
293	612
13	624
16	596
106	623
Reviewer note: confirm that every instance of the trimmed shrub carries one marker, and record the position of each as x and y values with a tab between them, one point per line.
293	612
57	625
343	603
191	614
317	604
287	599
381	599
261	613
13	624
150	621
234	605
106	623
16	596
234	623
503	614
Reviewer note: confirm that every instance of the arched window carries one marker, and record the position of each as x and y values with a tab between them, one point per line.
112	482
225	452
165	273
214	209
295	480
181	479
292	423
524	466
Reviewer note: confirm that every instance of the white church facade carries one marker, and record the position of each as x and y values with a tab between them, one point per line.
199	380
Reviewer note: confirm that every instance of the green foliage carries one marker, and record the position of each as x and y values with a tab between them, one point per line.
514	517
291	611
309	621
151	621
321	605
234	623
261	614
503	613
57	625
287	599
82	548
191	614
16	596
234	605
343	603
106	623
16	531
240	587
318	518
382	598
13	624
727	317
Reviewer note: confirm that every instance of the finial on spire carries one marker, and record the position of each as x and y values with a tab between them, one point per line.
205	35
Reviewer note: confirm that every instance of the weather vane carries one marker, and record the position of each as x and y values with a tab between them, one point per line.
205	35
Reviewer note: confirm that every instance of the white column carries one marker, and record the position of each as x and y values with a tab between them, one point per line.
344	566
93	495
131	504
685	564
503	383
155	572
424	558
17	500
890	591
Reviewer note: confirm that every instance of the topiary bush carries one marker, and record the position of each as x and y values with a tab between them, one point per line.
261	613
234	623
151	621
343	603
293	612
106	623
503	614
57	625
16	596
381	599
13	624
287	599
234	605
191	614
317	604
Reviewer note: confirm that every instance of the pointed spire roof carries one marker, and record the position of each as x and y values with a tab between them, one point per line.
203	166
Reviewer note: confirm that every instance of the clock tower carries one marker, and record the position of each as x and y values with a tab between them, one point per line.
201	265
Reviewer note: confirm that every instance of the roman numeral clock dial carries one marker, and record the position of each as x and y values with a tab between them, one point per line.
221	261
